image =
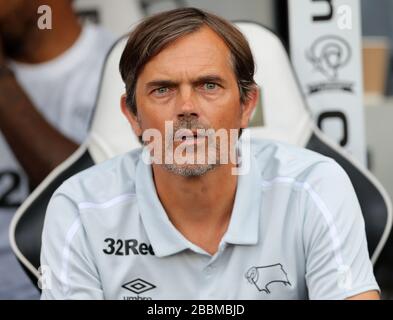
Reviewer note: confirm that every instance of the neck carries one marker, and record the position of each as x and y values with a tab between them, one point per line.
199	207
44	45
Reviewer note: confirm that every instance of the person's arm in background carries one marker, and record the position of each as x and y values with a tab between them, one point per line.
37	145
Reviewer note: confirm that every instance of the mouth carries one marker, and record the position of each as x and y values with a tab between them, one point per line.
189	137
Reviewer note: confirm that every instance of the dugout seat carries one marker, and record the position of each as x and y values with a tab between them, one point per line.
282	115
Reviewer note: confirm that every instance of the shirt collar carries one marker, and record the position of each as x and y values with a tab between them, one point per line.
167	240
243	227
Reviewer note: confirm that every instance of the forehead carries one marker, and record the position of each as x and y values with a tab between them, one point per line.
200	52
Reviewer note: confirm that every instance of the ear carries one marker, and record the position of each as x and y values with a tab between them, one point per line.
248	107
131	117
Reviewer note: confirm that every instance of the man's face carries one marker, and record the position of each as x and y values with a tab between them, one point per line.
193	84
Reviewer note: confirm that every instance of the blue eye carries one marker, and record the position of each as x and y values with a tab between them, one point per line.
210	86
161	91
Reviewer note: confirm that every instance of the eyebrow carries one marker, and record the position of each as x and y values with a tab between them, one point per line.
171	84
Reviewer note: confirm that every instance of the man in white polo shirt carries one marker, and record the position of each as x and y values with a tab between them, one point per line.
277	223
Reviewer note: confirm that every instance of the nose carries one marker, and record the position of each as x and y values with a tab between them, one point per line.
187	104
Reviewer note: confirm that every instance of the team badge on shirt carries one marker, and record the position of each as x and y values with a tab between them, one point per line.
264	276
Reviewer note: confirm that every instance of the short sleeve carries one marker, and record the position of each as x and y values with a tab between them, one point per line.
70	271
338	265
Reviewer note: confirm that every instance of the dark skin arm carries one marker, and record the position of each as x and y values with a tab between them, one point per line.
37	145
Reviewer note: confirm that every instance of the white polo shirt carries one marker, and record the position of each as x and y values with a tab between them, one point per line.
296	232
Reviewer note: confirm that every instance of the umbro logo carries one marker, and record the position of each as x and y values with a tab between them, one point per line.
138	286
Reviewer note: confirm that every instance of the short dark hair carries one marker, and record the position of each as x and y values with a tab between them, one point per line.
155	33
